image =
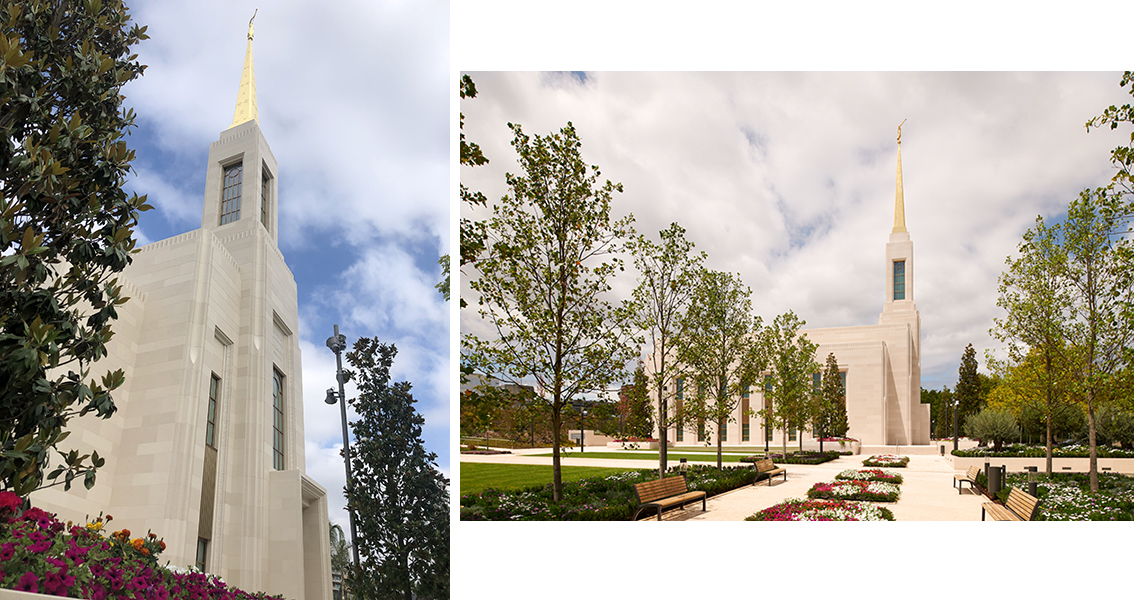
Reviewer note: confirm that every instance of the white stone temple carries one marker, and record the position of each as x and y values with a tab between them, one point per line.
206	448
880	365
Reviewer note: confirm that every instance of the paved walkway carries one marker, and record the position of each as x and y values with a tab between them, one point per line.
926	494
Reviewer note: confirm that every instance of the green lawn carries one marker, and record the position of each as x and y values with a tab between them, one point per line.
673	457
476	477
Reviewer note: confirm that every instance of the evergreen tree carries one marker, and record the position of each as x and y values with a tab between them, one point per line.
66	225
967	391
832	391
398	498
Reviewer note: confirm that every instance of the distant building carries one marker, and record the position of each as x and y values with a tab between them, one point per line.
207	446
880	365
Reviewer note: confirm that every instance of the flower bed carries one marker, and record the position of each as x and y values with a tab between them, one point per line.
868	491
795	457
40	554
609	498
795	509
1024	450
886	460
1068	497
870	475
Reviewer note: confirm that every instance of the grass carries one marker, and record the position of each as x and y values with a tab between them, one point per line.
477	477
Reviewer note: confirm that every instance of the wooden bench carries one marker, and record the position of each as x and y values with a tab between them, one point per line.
970	477
766	469
1021	506
665	493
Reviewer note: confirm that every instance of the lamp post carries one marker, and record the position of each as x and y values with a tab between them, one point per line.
337	343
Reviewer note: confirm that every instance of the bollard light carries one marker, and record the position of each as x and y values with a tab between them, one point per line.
1031	480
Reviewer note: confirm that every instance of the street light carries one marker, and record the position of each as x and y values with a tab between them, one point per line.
337	343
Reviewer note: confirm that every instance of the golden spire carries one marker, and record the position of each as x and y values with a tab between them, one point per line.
898	219
246	108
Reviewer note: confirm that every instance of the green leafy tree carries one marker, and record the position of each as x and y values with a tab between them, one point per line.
479	409
398	498
967	393
832	393
791	360
472	234
66	225
667	275
722	348
996	426
1099	269
551	253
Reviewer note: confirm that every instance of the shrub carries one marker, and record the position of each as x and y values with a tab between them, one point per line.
796	458
607	498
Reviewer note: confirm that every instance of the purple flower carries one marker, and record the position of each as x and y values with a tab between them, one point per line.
28	583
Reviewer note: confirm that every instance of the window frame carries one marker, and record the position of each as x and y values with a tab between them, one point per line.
230	216
278	423
213	408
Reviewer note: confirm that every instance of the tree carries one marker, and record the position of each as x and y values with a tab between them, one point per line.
1035	297
472	234
667	275
1036	387
479	408
66	225
638	412
1099	269
791	362
967	391
722	348
340	552
997	426
398	498
542	281
832	392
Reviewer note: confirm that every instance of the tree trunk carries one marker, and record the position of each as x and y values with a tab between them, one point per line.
1049	447
663	430
1093	460
557	445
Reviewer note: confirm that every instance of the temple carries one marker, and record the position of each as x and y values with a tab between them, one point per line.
880	365
206	448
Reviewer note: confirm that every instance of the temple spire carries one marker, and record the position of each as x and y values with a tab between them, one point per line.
898	219
246	108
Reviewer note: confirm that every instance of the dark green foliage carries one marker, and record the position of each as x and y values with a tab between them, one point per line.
967	395
1024	450
832	394
66	225
472	233
638	407
1115	424
609	498
800	457
995	426
399	500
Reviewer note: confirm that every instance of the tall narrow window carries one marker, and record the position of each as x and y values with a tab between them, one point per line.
266	196
201	555
212	401
816	383
792	434
277	401
232	193
768	401
844	382
898	280
745	415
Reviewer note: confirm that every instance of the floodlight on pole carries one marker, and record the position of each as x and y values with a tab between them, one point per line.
337	343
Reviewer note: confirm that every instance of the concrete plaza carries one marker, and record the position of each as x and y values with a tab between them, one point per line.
926	494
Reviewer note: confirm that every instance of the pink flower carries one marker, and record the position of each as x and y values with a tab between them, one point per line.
28	583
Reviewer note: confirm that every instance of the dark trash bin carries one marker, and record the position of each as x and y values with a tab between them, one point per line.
995	478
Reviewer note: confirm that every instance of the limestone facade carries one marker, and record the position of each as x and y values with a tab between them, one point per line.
881	366
206	448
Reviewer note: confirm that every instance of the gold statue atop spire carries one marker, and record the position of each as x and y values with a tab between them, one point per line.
898	218
897	127
246	107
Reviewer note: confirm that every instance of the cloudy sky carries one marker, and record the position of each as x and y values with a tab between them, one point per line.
353	100
788	178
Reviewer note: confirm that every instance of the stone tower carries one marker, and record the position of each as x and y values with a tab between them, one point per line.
207	448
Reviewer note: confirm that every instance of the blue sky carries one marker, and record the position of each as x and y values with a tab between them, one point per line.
353	100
